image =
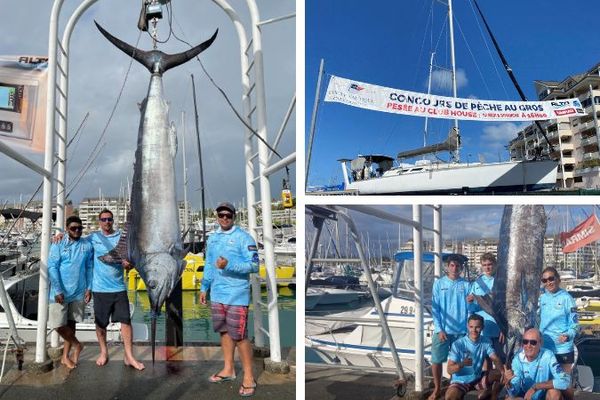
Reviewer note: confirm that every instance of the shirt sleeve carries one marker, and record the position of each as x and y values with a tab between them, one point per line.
247	263
454	353
89	267
573	318
517	381
473	306
209	266
53	267
435	307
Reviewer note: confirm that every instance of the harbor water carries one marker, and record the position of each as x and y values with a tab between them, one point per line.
197	324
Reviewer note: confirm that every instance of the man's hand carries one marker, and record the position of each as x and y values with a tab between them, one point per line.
467	362
508	375
127	265
442	336
203	298
58	237
529	393
221	262
563	338
470	298
59	298
87	296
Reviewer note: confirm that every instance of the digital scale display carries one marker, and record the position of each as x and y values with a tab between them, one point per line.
11	97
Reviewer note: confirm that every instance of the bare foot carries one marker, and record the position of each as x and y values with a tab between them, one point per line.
76	351
133	363
102	359
67	362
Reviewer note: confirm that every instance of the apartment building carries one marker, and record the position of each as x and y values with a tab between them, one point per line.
574	140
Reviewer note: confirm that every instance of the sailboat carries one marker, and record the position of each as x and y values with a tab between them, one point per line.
376	173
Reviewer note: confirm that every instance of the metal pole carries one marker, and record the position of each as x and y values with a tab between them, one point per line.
453	61
186	222
40	348
200	162
596	128
265	187
259	338
437	240
418	276
317	223
313	121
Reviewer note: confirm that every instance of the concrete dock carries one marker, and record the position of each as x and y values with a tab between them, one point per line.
179	373
335	383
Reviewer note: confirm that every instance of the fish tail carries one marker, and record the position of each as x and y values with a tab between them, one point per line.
157	61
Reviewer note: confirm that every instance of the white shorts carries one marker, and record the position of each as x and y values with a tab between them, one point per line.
59	314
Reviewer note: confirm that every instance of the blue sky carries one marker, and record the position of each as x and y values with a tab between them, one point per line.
389	42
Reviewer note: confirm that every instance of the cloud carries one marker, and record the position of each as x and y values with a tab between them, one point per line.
495	137
442	80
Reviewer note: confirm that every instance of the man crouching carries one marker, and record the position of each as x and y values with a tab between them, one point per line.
465	364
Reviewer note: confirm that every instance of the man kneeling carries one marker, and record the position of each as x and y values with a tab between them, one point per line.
465	364
535	372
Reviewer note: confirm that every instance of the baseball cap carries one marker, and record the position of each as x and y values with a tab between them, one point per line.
226	206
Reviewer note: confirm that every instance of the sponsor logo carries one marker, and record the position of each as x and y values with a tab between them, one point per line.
580	236
355	88
565	112
561	104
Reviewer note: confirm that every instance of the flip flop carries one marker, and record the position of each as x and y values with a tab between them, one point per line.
218	378
251	388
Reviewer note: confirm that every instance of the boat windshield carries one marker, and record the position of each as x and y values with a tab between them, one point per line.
24	295
404	280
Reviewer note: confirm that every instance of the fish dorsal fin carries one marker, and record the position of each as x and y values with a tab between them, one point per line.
119	252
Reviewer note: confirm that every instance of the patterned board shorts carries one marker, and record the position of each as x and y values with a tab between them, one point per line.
230	319
480	384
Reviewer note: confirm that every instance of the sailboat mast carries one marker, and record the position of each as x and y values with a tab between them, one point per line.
428	92
185	181
453	61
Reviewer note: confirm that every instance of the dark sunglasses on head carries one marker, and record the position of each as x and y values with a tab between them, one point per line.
76	228
549	279
225	215
532	342
109	219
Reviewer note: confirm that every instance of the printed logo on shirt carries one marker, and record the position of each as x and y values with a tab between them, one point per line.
255	258
558	306
252	248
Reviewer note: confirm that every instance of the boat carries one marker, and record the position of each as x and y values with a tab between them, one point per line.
427	177
194	271
312	297
379	174
22	289
362	343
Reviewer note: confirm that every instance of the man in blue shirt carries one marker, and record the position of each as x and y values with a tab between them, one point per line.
465	364
231	256
110	294
481	286
535	374
449	312
70	274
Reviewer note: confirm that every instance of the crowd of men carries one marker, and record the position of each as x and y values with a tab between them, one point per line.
472	343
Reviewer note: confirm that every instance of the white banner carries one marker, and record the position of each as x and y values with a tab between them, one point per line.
379	98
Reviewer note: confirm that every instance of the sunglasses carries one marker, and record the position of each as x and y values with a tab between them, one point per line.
109	219
76	228
225	215
532	342
549	279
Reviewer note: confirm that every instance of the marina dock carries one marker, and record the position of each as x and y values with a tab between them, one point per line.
179	373
335	383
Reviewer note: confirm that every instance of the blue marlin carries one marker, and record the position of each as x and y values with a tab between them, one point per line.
153	239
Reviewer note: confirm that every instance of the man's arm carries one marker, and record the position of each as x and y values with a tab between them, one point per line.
209	267
248	262
53	268
435	307
89	273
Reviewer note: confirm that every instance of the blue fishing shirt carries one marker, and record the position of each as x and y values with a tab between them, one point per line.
449	305
70	269
542	369
558	316
230	285
476	351
490	327
108	278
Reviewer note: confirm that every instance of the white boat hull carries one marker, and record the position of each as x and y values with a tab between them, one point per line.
509	176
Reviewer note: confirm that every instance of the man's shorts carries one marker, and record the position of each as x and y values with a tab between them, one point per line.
440	350
566	358
230	319
479	384
59	314
111	307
